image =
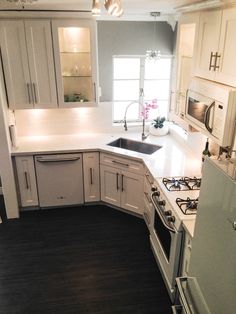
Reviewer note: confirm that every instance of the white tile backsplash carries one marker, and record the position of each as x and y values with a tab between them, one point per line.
65	121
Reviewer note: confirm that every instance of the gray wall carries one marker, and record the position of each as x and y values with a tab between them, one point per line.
128	38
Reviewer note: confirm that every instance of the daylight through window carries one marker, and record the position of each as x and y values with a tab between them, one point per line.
136	79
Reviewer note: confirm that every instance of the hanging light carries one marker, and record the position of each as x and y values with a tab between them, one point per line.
114	7
153	54
96	8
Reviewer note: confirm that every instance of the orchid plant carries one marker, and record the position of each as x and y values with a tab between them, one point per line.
147	107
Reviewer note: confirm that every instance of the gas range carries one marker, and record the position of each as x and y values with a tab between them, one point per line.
178	196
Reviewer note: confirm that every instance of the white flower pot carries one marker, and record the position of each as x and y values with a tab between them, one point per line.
158	131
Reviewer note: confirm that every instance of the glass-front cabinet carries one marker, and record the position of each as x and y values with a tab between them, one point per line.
76	62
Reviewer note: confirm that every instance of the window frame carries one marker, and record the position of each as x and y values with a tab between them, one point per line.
141	86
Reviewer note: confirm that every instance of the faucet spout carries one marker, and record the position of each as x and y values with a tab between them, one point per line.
126	109
144	136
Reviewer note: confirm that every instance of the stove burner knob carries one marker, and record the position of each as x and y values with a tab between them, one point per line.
153	188
171	218
168	213
156	193
162	203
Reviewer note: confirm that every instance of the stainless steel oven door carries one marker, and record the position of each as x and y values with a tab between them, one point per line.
166	245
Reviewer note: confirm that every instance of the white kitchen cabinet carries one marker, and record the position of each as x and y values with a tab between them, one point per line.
216	47
91	177
185	56
122	182
76	62
26	181
187	248
28	63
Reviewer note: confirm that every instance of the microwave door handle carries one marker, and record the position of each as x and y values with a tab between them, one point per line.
207	117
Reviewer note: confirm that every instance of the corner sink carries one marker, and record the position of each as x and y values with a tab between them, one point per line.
135	146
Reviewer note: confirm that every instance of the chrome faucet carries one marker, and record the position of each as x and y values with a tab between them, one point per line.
144	136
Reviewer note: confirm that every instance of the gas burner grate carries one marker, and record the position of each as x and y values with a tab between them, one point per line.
188	206
182	184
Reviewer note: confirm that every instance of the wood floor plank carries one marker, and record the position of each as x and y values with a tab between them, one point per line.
90	259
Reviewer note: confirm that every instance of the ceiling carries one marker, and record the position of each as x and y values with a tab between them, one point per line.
133	9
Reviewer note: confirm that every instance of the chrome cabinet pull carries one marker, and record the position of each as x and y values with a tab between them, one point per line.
122	183
29	94
35	95
117	181
210	64
26	180
120	163
91	175
215	63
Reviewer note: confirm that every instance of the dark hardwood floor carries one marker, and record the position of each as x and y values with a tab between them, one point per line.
90	259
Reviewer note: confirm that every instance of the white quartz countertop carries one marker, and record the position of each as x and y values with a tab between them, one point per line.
174	158
189	226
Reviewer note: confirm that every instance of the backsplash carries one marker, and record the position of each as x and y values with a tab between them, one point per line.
38	122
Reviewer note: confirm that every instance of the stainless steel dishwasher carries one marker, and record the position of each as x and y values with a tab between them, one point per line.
59	179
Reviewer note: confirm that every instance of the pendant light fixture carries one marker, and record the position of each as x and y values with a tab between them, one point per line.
153	54
96	8
113	7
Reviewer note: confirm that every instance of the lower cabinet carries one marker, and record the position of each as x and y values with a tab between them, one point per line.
122	188
26	181
91	177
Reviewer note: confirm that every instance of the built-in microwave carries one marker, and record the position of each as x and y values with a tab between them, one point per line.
211	109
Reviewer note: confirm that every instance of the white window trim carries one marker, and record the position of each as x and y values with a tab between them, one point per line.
141	86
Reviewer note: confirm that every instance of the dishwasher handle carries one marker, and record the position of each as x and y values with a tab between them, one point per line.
60	159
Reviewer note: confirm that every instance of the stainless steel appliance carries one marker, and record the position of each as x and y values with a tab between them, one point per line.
210	108
211	285
59	179
166	229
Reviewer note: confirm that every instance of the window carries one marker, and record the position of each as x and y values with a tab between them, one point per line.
138	80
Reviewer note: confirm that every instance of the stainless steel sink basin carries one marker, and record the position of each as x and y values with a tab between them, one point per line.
135	146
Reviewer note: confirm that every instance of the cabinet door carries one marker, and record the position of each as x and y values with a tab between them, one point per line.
75	59
208	39
110	185
27	181
132	191
91	177
227	49
41	63
15	64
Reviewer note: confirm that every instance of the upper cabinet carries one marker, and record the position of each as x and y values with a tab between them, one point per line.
217	47
76	60
185	53
28	63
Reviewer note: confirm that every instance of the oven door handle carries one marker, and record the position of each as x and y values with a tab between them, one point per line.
207	117
173	230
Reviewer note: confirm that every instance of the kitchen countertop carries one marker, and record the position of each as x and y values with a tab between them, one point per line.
174	158
189	226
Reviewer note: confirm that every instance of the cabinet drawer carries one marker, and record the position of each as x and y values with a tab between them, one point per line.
122	163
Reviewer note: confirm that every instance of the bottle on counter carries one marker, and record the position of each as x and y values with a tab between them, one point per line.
206	151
